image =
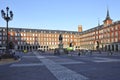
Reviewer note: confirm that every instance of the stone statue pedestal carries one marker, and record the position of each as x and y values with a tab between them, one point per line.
60	46
60	49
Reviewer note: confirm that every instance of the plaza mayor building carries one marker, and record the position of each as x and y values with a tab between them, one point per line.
105	37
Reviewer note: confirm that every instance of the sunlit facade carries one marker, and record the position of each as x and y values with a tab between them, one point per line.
32	39
105	37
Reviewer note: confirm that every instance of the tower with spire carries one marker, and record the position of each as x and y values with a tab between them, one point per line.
108	20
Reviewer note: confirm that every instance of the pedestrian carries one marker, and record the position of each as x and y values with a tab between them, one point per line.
0	57
79	53
111	52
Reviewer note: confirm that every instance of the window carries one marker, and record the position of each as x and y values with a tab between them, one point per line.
3	29
35	43
24	38
52	35
39	35
15	38
116	33
112	34
33	34
108	41
41	31
4	42
44	39
112	40
24	34
96	37
47	43
27	38
21	34
30	42
96	32
55	43
47	35
116	27
18	38
55	39
66	36
108	30
112	28
52	43
18	42
24	42
16	34
11	30
11	38
11	34
116	40
0	29
21	38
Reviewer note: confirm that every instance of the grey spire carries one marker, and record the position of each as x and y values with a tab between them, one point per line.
98	22
108	16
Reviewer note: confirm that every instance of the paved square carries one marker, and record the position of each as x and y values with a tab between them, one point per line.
35	66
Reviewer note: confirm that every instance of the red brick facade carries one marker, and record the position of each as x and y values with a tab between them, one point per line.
105	37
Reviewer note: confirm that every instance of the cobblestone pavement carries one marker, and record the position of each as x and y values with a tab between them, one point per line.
44	66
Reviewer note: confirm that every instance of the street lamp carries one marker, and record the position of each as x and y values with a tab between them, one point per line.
7	17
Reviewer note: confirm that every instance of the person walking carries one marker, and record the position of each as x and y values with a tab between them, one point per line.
79	53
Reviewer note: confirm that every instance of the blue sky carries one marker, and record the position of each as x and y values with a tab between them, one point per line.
59	14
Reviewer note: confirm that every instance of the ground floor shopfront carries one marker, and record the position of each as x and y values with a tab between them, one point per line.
112	47
40	47
103	47
31	47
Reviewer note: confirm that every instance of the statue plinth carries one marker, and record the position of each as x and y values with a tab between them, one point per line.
60	45
60	49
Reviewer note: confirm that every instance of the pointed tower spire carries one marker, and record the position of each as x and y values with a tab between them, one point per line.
98	22
108	16
107	20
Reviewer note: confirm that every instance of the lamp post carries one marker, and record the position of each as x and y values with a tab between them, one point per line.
7	17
